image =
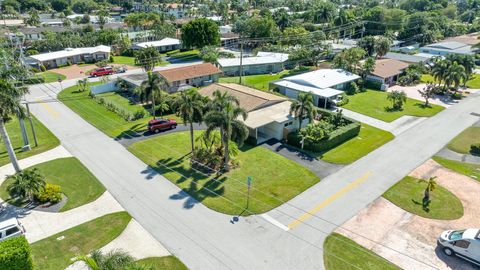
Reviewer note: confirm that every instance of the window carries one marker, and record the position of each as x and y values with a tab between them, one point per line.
12	231
288	124
462	244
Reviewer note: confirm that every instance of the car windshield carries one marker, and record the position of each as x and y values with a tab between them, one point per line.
456	235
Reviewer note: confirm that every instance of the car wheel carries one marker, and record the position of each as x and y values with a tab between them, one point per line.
156	130
448	251
174	126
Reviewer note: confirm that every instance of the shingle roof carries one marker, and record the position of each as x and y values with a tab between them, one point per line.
189	72
385	68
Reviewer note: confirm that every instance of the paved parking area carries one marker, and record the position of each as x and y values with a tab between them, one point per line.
75	71
412	92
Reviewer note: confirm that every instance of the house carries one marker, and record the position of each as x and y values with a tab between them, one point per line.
176	10
387	71
448	47
69	55
326	85
469	39
408	58
263	63
268	114
164	45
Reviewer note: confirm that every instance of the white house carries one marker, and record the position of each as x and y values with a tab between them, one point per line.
164	45
70	55
448	47
263	63
326	85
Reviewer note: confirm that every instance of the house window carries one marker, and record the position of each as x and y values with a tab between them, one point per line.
288	124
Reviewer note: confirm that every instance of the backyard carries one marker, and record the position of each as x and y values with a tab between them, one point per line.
279	179
375	104
462	142
408	194
76	181
46	140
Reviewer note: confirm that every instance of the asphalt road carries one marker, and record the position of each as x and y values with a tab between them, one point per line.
204	239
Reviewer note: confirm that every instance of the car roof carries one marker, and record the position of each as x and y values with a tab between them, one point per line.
471	234
8	223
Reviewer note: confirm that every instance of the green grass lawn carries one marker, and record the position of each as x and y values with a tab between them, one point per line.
184	56
105	120
163	263
278	179
53	254
46	140
121	101
51	76
468	169
427	78
124	60
76	181
408	194
341	253
375	104
369	139
472	83
462	142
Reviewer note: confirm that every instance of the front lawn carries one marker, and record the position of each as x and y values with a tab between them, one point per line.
274	177
462	142
369	139
56	252
163	263
119	100
46	140
124	60
77	182
375	104
178	56
469	169
50	76
408	194
105	120
342	253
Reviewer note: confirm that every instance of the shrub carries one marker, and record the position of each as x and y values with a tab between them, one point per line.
372	85
34	80
32	52
352	89
35	70
51	193
475	149
43	68
110	59
102	63
15	254
457	96
80	63
69	63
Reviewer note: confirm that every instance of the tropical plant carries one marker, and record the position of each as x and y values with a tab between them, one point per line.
9	105
154	89
428	92
303	108
398	98
114	260
382	46
455	76
189	106
147	58
439	70
26	184
431	185
317	132
82	85
224	115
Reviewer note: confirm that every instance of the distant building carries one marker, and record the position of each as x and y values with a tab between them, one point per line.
408	58
69	55
263	63
448	47
176	10
164	45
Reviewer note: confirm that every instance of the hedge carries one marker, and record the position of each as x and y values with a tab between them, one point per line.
372	85
475	149
15	254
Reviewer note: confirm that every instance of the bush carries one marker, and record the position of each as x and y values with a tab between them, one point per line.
80	63
344	100
352	89
32	52
51	193
110	59
43	68
34	80
372	85
457	96
15	254
35	70
127	116
475	149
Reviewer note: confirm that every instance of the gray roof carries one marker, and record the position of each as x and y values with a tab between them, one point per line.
406	57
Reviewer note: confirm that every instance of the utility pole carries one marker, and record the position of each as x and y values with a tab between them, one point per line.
26	143
241	60
31	124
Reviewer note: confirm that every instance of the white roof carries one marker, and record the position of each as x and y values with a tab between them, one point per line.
279	113
323	78
322	92
158	43
261	58
8	223
69	52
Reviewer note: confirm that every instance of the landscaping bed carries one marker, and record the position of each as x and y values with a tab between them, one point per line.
462	142
279	179
468	169
408	194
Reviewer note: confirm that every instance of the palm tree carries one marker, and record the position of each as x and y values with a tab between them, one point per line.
9	105
154	88
189	106
303	107
382	46
431	185
224	113
455	75
439	70
26	183
113	260
398	98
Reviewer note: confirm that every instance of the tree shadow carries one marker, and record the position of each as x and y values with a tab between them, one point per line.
197	193
392	109
424	203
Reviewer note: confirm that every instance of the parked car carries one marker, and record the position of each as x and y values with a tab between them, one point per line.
157	125
11	228
121	69
102	71
463	243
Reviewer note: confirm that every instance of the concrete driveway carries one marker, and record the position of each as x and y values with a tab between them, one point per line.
412	92
406	239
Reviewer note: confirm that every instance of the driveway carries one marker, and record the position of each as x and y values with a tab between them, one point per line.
412	92
404	238
76	71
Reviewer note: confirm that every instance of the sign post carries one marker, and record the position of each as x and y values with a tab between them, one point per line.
249	185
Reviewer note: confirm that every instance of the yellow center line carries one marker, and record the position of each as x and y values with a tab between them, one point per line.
328	201
49	109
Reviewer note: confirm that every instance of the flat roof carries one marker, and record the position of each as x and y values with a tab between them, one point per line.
279	113
406	57
262	58
158	43
322	78
70	52
322	92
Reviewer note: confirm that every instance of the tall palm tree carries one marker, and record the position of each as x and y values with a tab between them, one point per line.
382	46
26	183
154	89
303	107
439	70
189	106
455	75
431	185
224	113
9	105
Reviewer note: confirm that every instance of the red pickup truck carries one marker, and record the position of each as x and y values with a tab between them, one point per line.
102	71
157	125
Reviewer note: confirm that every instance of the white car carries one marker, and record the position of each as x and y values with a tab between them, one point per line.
10	228
463	243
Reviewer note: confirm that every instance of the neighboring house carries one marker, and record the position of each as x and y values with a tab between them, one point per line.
387	71
164	45
70	55
326	85
229	40
469	39
93	18
263	63
448	47
176	10
268	114
408	58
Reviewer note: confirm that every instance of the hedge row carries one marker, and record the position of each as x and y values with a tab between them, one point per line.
15	254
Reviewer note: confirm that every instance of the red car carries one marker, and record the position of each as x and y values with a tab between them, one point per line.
102	71
157	125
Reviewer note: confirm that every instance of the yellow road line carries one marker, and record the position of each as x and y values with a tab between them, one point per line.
49	109
328	201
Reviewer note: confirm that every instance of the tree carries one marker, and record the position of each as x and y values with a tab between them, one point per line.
147	58
282	19
303	107
256	27
82	85
368	44
431	185
59	5
189	106
428	92
9	105
26	183
398	98
209	54
113	260
349	59
439	70
224	115
295	35
33	18
199	33
382	46
368	67
154	88
455	75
